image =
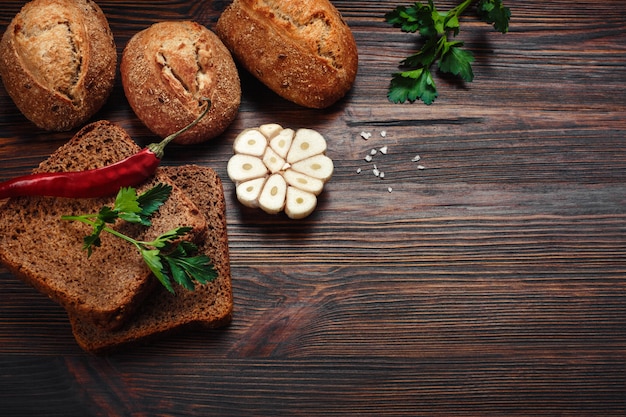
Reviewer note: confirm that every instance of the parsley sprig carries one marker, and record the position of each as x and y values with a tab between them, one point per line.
438	30
168	257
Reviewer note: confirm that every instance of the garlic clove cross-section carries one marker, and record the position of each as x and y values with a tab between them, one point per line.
273	161
299	204
303	182
250	142
318	166
279	169
243	167
281	142
248	192
273	194
306	143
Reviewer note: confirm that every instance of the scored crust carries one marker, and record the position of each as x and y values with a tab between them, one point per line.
303	50
58	61
168	68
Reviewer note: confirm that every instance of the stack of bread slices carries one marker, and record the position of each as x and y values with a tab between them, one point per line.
111	297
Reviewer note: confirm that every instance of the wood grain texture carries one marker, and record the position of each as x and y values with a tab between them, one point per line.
490	283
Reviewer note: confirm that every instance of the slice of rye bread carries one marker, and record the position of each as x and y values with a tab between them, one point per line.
46	252
209	305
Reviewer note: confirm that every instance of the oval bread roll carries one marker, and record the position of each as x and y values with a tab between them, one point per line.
301	49
167	70
58	62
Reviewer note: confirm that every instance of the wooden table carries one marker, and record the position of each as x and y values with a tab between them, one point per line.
492	282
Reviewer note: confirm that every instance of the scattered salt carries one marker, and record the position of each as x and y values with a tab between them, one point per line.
366	135
373	152
389	189
358	170
368	158
421	167
416	158
383	150
376	172
383	133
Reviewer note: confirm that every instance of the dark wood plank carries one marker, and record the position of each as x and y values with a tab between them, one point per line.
492	282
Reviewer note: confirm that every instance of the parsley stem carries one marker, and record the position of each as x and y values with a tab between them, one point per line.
86	219
460	8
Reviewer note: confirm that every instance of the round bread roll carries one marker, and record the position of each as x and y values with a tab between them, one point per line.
58	62
169	68
303	50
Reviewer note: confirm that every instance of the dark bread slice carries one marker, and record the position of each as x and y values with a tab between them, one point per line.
208	306
46	252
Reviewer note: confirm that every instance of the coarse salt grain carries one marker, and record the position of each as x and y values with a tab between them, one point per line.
383	133
358	170
421	167
389	189
366	135
383	150
368	158
416	158
373	152
376	172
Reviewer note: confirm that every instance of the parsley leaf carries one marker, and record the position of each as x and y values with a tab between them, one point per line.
167	256
126	201
153	260
415	81
411	85
494	12
152	199
185	268
457	61
107	215
167	237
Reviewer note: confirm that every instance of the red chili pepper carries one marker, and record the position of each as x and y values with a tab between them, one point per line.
98	182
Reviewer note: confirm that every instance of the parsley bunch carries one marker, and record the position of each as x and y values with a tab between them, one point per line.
436	28
167	256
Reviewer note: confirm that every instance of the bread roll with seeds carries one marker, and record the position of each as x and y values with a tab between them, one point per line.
167	70
301	49
58	62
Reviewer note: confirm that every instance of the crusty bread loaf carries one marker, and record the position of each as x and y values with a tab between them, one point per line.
301	49
58	61
209	305
168	68
46	252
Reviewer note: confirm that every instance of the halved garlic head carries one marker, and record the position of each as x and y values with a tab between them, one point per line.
280	169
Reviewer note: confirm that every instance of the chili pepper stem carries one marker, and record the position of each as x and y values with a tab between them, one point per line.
159	148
